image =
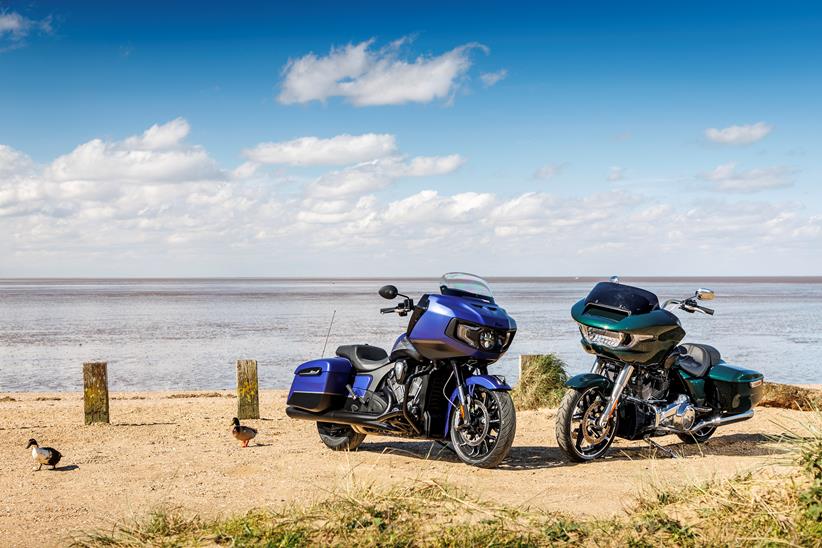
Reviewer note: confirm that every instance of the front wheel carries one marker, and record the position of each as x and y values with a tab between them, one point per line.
578	434
484	438
339	437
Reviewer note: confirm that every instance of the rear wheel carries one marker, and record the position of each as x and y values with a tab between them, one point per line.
339	437
484	438
578	434
698	436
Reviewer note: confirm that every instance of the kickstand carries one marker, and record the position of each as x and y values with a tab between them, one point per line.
661	448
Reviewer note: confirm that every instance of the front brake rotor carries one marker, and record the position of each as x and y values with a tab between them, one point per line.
474	432
590	431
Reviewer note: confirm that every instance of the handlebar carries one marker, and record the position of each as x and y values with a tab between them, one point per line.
388	310
689	305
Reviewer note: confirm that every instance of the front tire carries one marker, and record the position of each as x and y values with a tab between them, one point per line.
485	442
577	434
339	437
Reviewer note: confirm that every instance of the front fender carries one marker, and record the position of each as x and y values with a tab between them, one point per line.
490	382
588	380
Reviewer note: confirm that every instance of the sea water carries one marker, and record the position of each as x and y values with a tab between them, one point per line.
185	334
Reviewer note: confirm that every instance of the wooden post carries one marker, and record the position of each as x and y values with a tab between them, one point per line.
95	391
248	393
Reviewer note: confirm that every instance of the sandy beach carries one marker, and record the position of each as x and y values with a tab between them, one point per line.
173	450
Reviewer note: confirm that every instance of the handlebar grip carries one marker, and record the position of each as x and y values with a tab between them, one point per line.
706	310
387	310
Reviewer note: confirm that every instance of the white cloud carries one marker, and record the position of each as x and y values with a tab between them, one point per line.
60	217
15	28
549	171
156	156
727	178
311	151
616	173
739	135
377	174
366	76
160	136
491	78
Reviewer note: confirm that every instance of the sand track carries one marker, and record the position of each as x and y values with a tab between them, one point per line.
177	452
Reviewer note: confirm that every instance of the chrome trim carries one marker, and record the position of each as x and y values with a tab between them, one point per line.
619	385
721	421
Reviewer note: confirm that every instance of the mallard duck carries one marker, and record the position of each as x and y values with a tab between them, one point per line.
242	433
43	455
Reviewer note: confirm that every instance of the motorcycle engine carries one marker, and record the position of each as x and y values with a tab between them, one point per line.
395	382
651	384
679	415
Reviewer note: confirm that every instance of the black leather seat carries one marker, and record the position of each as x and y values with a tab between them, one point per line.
697	359
363	357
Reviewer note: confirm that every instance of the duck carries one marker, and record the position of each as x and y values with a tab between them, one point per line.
44	455
244	434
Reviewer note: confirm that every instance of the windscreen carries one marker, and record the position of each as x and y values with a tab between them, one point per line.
461	284
630	300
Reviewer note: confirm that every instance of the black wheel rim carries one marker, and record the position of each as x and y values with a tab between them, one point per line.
588	438
477	437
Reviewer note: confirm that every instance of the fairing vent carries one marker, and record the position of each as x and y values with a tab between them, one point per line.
607	312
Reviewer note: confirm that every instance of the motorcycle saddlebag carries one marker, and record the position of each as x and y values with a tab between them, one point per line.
319	385
738	389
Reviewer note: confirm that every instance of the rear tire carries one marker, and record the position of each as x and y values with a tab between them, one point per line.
698	437
339	437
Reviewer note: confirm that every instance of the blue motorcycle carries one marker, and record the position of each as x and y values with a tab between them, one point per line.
434	384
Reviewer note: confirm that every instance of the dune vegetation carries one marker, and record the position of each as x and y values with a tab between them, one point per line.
764	509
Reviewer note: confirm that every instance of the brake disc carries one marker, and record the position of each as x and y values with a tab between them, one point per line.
472	435
590	431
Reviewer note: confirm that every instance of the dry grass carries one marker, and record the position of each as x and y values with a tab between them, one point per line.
541	382
787	396
752	510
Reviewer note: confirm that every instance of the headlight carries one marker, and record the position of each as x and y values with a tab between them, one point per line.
487	339
612	339
483	338
602	337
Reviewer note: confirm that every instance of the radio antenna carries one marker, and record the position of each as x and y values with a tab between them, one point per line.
329	331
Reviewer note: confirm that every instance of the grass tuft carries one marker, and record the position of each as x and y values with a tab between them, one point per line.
541	382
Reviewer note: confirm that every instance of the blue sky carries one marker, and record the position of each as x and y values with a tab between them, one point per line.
511	138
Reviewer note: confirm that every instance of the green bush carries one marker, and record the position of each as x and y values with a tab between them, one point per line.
541	382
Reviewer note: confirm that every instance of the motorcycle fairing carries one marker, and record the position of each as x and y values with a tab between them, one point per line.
429	332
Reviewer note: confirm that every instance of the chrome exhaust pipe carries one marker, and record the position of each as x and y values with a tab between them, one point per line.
721	421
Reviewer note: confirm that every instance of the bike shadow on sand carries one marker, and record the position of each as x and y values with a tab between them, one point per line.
532	457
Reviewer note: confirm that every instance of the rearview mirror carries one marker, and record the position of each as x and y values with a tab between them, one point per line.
388	292
704	294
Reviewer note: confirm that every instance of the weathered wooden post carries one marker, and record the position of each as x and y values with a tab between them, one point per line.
95	392
248	393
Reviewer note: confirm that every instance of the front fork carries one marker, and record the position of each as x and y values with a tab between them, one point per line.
619	385
464	397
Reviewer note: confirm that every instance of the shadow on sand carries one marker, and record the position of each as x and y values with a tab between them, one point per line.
523	457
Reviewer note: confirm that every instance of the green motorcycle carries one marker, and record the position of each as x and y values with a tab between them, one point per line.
643	382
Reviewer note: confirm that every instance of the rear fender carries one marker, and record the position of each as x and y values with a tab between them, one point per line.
490	382
589	380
